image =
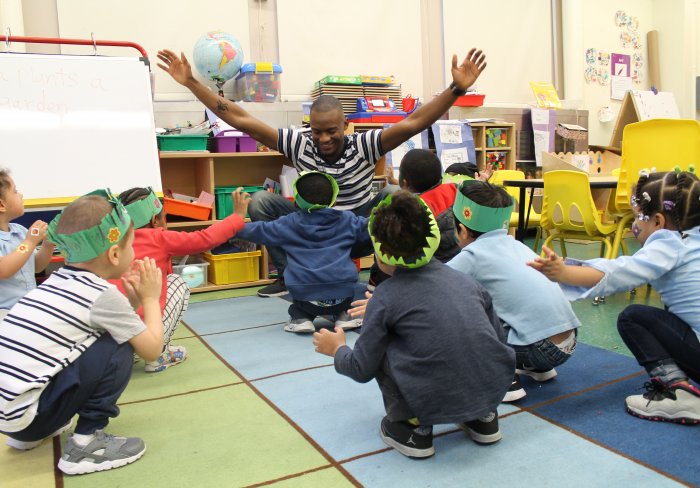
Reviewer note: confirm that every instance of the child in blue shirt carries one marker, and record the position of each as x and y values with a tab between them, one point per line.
19	259
666	342
539	320
319	275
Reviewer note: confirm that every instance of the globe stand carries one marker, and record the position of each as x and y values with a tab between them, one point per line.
220	86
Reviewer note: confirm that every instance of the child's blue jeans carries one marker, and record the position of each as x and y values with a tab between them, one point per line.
541	356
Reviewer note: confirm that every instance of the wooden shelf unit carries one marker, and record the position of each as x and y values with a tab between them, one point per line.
191	172
483	149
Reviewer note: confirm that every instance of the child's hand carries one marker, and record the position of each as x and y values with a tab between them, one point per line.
149	281
359	306
37	232
485	174
328	342
552	266
241	200
131	281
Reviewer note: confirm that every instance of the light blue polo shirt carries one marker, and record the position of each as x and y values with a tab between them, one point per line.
15	287
534	307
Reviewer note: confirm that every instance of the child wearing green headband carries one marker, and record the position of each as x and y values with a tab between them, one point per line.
430	337
151	238
67	347
19	257
539	320
320	275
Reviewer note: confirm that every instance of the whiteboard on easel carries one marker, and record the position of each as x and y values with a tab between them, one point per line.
71	124
650	105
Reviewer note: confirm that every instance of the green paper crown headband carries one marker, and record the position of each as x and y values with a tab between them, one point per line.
433	240
478	217
143	210
87	244
310	207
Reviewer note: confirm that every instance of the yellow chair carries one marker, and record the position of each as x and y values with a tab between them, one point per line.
569	212
658	143
497	178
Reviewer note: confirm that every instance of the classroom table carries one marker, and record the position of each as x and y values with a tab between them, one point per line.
595	181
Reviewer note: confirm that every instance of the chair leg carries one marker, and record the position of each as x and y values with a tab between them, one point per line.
563	247
538	236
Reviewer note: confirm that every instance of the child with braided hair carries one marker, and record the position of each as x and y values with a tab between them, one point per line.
664	341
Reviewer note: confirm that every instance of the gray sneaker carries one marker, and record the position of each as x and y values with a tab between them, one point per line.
300	326
102	453
677	402
346	322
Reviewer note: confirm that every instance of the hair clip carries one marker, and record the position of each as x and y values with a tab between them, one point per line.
646	197
669	205
634	201
653	169
677	169
644	172
691	169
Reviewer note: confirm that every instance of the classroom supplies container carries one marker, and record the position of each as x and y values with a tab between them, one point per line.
224	201
239	267
192	210
233	141
182	142
258	82
194	271
339	80
470	100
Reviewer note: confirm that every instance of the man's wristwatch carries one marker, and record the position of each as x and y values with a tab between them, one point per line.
458	92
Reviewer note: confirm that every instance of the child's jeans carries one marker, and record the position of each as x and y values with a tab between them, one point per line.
310	310
397	410
541	356
89	387
654	334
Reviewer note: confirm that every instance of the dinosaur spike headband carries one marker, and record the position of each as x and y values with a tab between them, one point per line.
432	240
87	244
310	207
479	217
143	210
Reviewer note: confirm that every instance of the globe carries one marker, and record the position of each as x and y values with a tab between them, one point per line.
218	57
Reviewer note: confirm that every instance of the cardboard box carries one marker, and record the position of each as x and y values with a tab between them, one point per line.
591	162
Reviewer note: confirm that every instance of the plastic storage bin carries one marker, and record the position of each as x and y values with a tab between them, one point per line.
470	100
185	209
240	267
233	141
194	271
258	82
186	142
224	202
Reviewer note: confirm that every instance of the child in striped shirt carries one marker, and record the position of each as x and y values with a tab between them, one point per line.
67	346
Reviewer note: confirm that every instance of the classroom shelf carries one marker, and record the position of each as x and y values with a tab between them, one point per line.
479	132
191	172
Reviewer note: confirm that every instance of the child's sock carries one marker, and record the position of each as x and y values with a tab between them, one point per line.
83	439
667	371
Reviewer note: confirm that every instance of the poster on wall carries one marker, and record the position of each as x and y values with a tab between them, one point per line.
543	126
620	69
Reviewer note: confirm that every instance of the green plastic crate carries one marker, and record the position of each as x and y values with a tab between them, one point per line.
224	202
183	142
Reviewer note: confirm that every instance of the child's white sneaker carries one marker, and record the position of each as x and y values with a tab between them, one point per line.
678	402
172	356
346	322
27	445
300	326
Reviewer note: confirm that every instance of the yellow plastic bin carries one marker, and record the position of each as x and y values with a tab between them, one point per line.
239	267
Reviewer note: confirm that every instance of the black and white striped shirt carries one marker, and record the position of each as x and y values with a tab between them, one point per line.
353	171
48	329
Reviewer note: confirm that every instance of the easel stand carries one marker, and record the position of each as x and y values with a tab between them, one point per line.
638	106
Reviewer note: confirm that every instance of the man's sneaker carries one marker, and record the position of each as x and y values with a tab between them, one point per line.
27	445
103	452
411	441
678	402
300	326
484	430
173	356
346	322
515	392
538	374
276	289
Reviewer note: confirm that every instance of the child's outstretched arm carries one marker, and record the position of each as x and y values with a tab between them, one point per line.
43	257
241	200
13	262
553	267
327	342
145	283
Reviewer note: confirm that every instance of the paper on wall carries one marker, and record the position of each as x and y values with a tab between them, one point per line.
540	115
541	138
619	86
452	156
580	161
451	133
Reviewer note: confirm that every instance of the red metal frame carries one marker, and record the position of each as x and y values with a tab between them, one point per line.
81	42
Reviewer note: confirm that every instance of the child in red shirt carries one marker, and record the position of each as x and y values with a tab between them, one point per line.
152	239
